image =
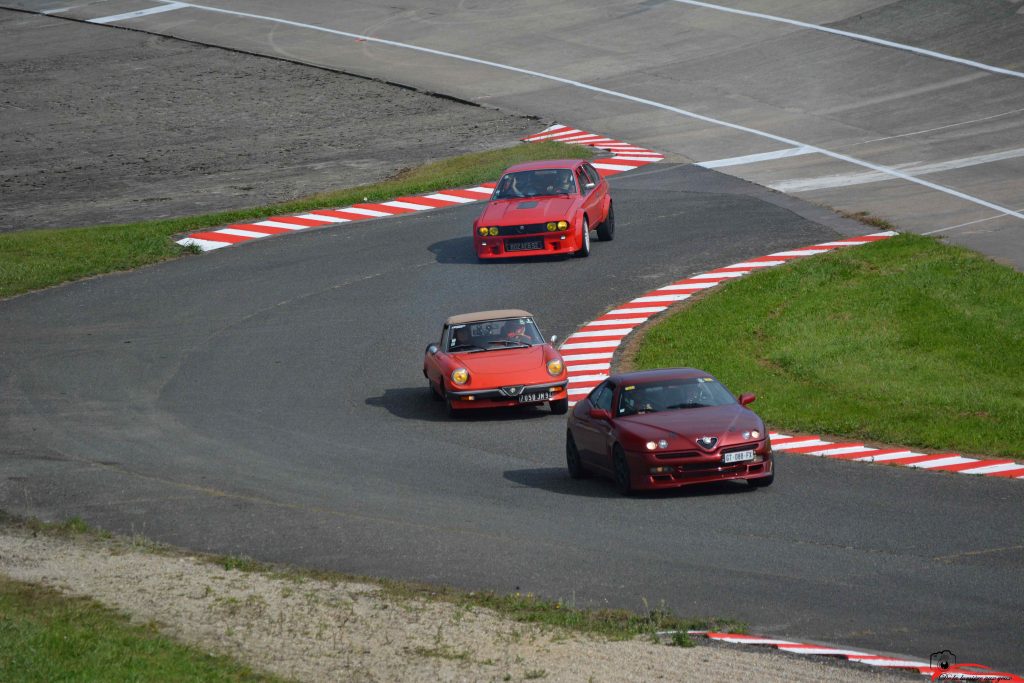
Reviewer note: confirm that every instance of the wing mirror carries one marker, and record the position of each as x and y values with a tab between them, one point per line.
589	186
600	414
554	338
747	398
431	349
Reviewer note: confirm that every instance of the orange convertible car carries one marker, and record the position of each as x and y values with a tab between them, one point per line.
545	208
495	359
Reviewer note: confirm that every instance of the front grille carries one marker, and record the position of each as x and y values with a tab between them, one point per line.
514	230
674	456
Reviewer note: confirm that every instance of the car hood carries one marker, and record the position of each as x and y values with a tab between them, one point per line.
503	364
526	211
688	424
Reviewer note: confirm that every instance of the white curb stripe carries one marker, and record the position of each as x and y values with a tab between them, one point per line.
205	245
407	205
278	224
992	469
888	456
442	197
241	233
942	462
322	218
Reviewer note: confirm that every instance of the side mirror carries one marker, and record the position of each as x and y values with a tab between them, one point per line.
554	338
747	398
600	414
431	349
589	186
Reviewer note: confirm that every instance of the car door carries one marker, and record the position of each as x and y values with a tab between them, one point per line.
596	201
592	434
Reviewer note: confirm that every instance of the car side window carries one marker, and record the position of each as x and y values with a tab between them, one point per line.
581	180
592	173
602	396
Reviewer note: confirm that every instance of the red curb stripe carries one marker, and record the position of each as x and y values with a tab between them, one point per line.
295	220
824	447
220	237
1009	474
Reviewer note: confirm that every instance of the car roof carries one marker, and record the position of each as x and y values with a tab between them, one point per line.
541	165
644	376
481	316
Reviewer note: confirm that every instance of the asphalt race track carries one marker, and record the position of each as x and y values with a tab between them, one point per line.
266	400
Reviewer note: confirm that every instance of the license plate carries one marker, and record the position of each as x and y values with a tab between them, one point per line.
533	398
738	456
523	245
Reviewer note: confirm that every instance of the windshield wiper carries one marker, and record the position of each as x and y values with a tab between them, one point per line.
510	342
466	347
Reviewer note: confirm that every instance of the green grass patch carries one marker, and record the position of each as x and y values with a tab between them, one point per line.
905	341
35	259
45	636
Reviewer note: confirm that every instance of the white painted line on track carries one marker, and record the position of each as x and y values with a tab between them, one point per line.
858	36
964	225
846	179
138	13
757	158
623	96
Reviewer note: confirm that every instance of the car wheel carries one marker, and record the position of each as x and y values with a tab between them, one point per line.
572	458
560	407
433	392
606	232
584	251
623	479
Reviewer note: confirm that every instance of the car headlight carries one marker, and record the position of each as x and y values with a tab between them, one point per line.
493	231
752	434
460	376
483	232
555	367
552	226
563	225
655	445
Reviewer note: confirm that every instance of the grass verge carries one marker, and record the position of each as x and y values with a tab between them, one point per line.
35	259
905	341
46	636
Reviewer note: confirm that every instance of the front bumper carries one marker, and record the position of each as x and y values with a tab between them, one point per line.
495	398
554	243
695	469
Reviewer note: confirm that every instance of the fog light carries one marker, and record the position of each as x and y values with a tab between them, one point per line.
662	469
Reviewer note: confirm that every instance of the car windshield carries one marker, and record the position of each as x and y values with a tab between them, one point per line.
539	183
490	335
673	394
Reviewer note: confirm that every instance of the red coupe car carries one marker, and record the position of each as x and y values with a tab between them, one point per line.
495	359
661	429
545	208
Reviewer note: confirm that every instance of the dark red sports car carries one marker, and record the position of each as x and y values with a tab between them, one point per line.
545	208
667	428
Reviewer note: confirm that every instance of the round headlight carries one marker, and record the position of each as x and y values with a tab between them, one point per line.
755	434
483	232
552	227
460	375
663	444
555	367
651	445
563	225
493	231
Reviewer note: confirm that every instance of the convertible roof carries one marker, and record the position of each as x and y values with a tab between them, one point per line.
487	315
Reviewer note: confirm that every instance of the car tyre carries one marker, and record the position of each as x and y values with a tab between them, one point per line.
623	478
433	392
584	251
560	407
606	231
572	458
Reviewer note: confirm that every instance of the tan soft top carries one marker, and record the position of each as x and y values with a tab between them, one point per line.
487	315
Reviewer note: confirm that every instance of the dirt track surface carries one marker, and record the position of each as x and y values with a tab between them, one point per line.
313	630
100	125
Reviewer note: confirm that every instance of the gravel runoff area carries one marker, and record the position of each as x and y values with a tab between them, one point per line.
103	125
318	630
